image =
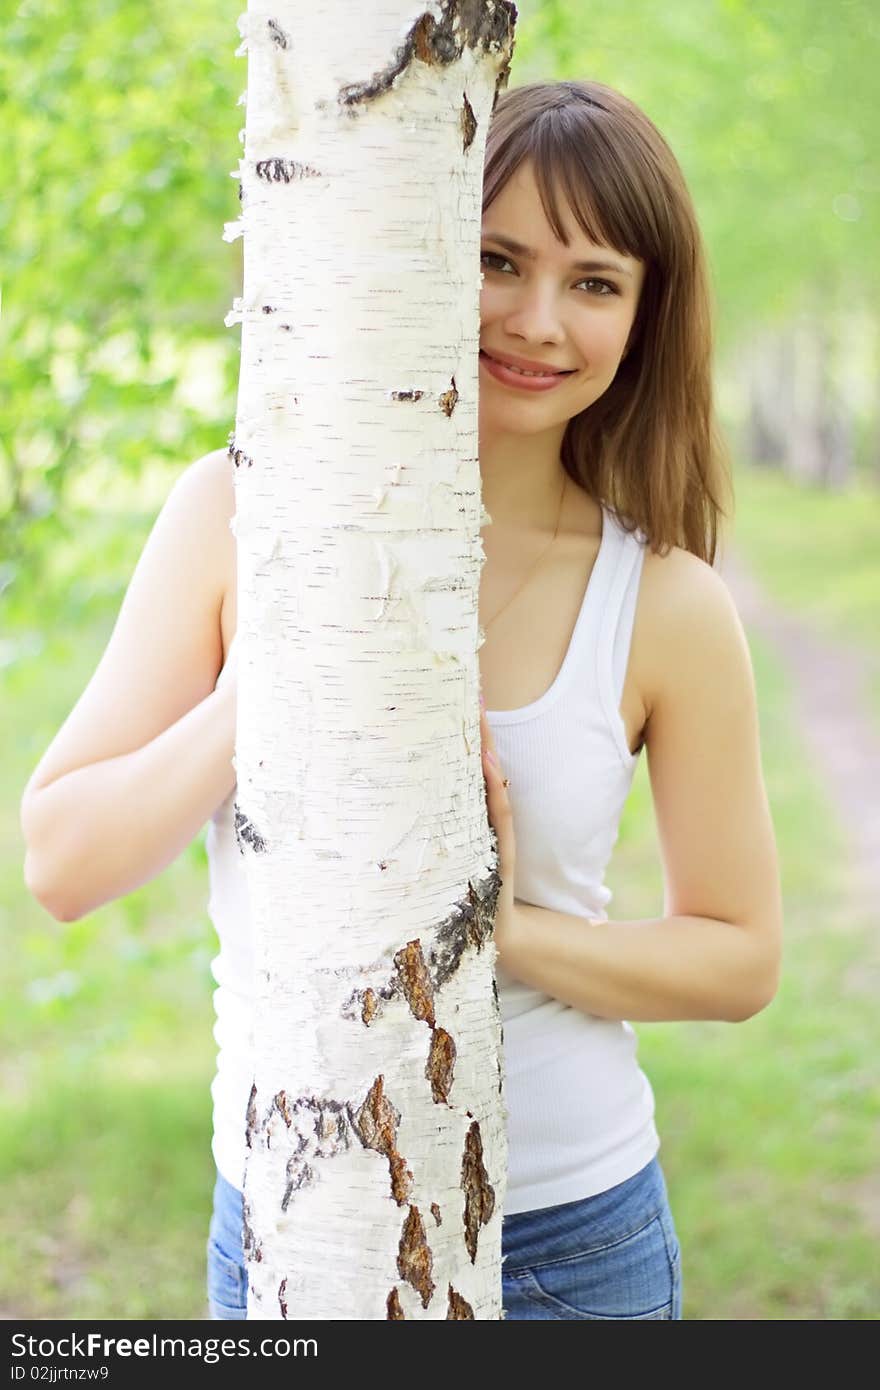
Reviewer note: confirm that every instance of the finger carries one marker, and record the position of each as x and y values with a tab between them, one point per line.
486	734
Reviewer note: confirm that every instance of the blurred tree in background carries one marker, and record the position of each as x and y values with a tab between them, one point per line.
116	278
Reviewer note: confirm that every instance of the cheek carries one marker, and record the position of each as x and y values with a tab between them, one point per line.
604	338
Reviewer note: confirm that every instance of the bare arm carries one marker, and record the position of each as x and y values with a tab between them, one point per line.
102	831
145	756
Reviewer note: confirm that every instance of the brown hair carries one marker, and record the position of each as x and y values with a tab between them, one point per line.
649	447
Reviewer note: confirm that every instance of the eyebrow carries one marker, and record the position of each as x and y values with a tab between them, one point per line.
526	251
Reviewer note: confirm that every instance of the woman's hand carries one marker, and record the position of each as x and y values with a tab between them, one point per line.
501	820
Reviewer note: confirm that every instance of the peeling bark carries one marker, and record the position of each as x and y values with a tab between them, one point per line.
479	1202
441	42
469	926
414	1261
449	399
441	1064
368	1012
395	1312
468	123
458	1307
376	1126
416	982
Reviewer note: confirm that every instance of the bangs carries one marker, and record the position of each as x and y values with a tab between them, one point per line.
582	167
576	161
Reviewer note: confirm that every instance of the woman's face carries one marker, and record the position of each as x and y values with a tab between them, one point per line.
547	310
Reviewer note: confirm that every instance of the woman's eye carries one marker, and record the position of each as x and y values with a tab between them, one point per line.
607	288
606	285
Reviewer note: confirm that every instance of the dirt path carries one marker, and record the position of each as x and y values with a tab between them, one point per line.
828	683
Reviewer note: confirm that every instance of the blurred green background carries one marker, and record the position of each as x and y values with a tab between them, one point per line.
118	371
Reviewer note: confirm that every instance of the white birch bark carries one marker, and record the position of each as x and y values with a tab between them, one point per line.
377	1157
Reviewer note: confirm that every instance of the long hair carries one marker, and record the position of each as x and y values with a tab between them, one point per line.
649	447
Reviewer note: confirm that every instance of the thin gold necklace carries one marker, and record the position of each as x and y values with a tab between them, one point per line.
537	562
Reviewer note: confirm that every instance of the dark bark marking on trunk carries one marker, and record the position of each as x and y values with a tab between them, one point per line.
323	1130
298	1175
435	1212
479	1201
366	1004
449	399
245	833
439	42
251	1116
468	124
277	33
368	1012
285	170
414	1259
237	455
441	1065
458	1307
282	1302
394	1312
469	925
376	1126
413	395
279	1103
416	982
247	1231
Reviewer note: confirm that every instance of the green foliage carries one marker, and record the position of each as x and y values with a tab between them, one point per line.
124	124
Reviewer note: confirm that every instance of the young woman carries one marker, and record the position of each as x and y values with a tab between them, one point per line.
607	629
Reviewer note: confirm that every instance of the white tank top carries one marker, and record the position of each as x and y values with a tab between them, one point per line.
580	1111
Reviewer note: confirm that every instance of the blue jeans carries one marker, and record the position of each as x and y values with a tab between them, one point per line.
614	1255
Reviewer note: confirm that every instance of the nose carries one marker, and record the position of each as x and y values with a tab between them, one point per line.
534	318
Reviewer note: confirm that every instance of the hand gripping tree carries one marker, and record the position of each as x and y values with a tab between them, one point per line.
377	1150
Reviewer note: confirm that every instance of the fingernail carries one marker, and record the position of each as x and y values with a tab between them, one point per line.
491	756
482	701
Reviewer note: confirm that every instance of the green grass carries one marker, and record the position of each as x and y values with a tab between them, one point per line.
769	1128
817	553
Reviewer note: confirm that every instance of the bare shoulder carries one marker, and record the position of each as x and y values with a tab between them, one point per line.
212	476
686	618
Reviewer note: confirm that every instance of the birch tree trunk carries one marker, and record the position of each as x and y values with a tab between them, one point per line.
377	1150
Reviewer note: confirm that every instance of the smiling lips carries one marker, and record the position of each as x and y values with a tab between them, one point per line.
531	378
525	364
